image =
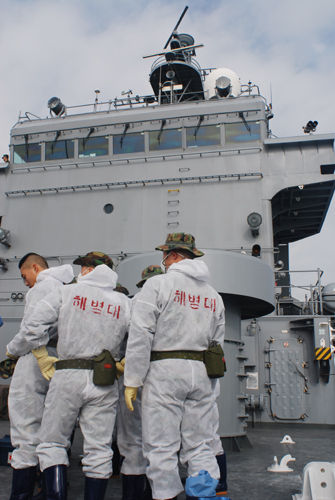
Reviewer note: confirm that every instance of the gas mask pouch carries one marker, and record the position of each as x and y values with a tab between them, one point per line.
104	369
214	361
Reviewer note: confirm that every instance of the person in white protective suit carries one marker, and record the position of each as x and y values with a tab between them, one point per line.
216	444
174	313
92	322
129	428
28	387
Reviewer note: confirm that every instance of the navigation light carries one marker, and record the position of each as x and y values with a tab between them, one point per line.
310	127
256	251
223	86
56	106
170	74
254	220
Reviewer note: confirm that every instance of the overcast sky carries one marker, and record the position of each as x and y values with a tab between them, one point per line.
68	48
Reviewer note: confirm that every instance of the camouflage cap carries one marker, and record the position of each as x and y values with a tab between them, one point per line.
121	289
183	241
93	259
7	367
149	272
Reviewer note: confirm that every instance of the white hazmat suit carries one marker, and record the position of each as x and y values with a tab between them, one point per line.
129	429
91	317
178	311
216	443
28	386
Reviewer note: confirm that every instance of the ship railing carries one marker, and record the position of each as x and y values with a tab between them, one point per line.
99	107
311	304
250	89
130	101
113	104
146	158
127	102
191	62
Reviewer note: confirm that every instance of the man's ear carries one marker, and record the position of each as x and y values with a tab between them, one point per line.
35	267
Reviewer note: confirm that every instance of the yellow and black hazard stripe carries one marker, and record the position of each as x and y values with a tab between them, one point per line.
322	353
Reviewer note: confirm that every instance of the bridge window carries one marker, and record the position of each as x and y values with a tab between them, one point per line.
208	135
93	146
27	153
128	143
59	150
241	132
327	169
165	139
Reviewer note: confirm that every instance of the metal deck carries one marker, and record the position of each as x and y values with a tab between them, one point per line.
248	478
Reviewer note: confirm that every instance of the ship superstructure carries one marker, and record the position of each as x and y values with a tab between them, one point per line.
198	156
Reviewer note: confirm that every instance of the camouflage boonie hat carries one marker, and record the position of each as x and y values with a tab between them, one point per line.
7	367
183	241
121	289
93	259
149	272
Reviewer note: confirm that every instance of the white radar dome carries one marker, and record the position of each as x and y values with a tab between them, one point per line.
222	83
328	297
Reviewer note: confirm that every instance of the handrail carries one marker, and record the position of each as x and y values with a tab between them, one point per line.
315	291
135	159
125	184
161	60
150	100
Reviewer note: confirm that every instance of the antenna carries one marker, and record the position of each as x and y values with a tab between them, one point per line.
176	27
269	110
97	92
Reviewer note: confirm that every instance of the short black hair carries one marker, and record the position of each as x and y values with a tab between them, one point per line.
33	258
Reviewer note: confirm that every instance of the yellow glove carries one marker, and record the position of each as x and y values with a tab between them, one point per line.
45	362
9	355
120	367
130	394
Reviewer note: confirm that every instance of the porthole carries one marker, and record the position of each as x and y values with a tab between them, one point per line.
108	208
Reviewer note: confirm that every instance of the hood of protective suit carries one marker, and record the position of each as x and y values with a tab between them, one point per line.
196	269
102	276
61	273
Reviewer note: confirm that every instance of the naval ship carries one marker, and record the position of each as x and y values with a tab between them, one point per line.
195	155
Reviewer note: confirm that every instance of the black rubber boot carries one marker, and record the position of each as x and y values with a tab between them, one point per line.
95	488
55	480
23	483
133	486
42	489
116	460
222	484
147	494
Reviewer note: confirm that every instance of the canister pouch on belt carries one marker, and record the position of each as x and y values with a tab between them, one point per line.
214	361
104	369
